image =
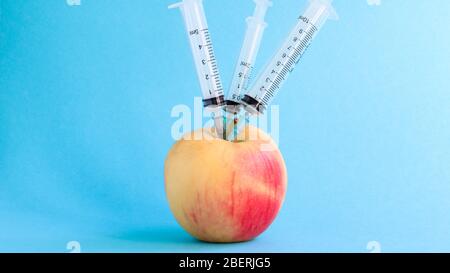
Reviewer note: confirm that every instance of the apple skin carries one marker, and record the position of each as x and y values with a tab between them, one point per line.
224	192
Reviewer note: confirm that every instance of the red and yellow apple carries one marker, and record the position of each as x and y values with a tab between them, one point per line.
222	191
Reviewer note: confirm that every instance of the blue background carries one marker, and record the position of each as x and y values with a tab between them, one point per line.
85	99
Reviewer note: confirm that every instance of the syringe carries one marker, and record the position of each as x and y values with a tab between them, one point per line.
284	61
204	58
244	68
249	51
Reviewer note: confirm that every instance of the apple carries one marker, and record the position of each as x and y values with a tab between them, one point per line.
221	191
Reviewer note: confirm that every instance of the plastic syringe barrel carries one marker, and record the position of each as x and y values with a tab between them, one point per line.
249	51
284	61
203	53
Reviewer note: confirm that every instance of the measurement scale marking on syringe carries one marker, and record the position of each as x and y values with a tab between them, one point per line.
297	53
212	62
287	67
